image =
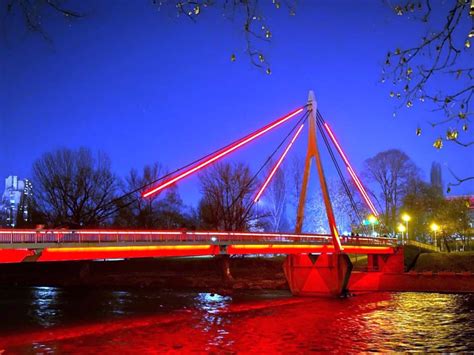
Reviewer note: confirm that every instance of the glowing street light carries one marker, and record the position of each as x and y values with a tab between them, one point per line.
401	229
435	228
372	220
406	218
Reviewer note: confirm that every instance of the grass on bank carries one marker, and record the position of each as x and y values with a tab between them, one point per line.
454	262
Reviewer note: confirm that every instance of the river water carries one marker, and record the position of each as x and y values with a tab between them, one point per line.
87	320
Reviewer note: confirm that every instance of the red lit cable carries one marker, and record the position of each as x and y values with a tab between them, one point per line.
362	191
359	185
277	165
223	152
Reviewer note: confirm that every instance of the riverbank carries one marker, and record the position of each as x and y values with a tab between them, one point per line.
206	273
459	262
174	273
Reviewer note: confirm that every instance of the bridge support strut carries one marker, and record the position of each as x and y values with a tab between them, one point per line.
317	274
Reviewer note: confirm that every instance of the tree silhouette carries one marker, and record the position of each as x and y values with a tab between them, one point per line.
74	187
391	170
227	191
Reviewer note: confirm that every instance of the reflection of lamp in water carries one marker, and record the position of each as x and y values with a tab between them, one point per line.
212	304
45	305
435	228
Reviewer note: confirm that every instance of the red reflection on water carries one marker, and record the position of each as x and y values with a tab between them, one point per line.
215	324
380	322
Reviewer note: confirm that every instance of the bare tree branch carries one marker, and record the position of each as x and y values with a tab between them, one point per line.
442	53
459	180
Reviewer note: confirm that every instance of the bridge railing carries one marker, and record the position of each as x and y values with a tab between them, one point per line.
423	245
17	236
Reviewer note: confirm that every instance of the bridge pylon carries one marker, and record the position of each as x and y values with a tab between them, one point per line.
325	274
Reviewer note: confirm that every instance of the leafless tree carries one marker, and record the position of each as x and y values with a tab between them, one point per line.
315	212
172	213
34	12
391	170
345	213
227	192
74	187
294	181
164	210
134	210
276	199
444	52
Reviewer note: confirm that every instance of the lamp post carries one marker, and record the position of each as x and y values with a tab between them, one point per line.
406	218
401	229
435	228
372	220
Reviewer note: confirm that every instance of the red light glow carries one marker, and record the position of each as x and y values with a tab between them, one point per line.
14	255
237	249
125	252
222	153
277	165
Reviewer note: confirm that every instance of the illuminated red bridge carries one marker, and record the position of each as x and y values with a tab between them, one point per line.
53	245
315	264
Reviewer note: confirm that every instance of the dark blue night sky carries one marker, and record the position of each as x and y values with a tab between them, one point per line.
145	86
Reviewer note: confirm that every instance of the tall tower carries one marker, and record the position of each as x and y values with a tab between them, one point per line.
16	201
436	177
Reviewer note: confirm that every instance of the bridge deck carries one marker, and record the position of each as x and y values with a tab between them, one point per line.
54	245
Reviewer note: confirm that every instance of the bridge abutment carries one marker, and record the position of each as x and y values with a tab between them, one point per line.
386	262
323	274
380	272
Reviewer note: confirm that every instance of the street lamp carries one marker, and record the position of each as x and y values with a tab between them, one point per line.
435	228
372	220
406	218
401	229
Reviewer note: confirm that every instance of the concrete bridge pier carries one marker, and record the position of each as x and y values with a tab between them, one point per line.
223	263
325	275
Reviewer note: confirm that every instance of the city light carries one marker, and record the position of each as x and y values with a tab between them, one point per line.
372	220
406	217
434	227
223	152
401	228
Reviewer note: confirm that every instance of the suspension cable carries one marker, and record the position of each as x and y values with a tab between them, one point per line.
140	188
252	202
338	168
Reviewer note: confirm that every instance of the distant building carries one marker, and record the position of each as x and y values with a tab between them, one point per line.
16	200
436	177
